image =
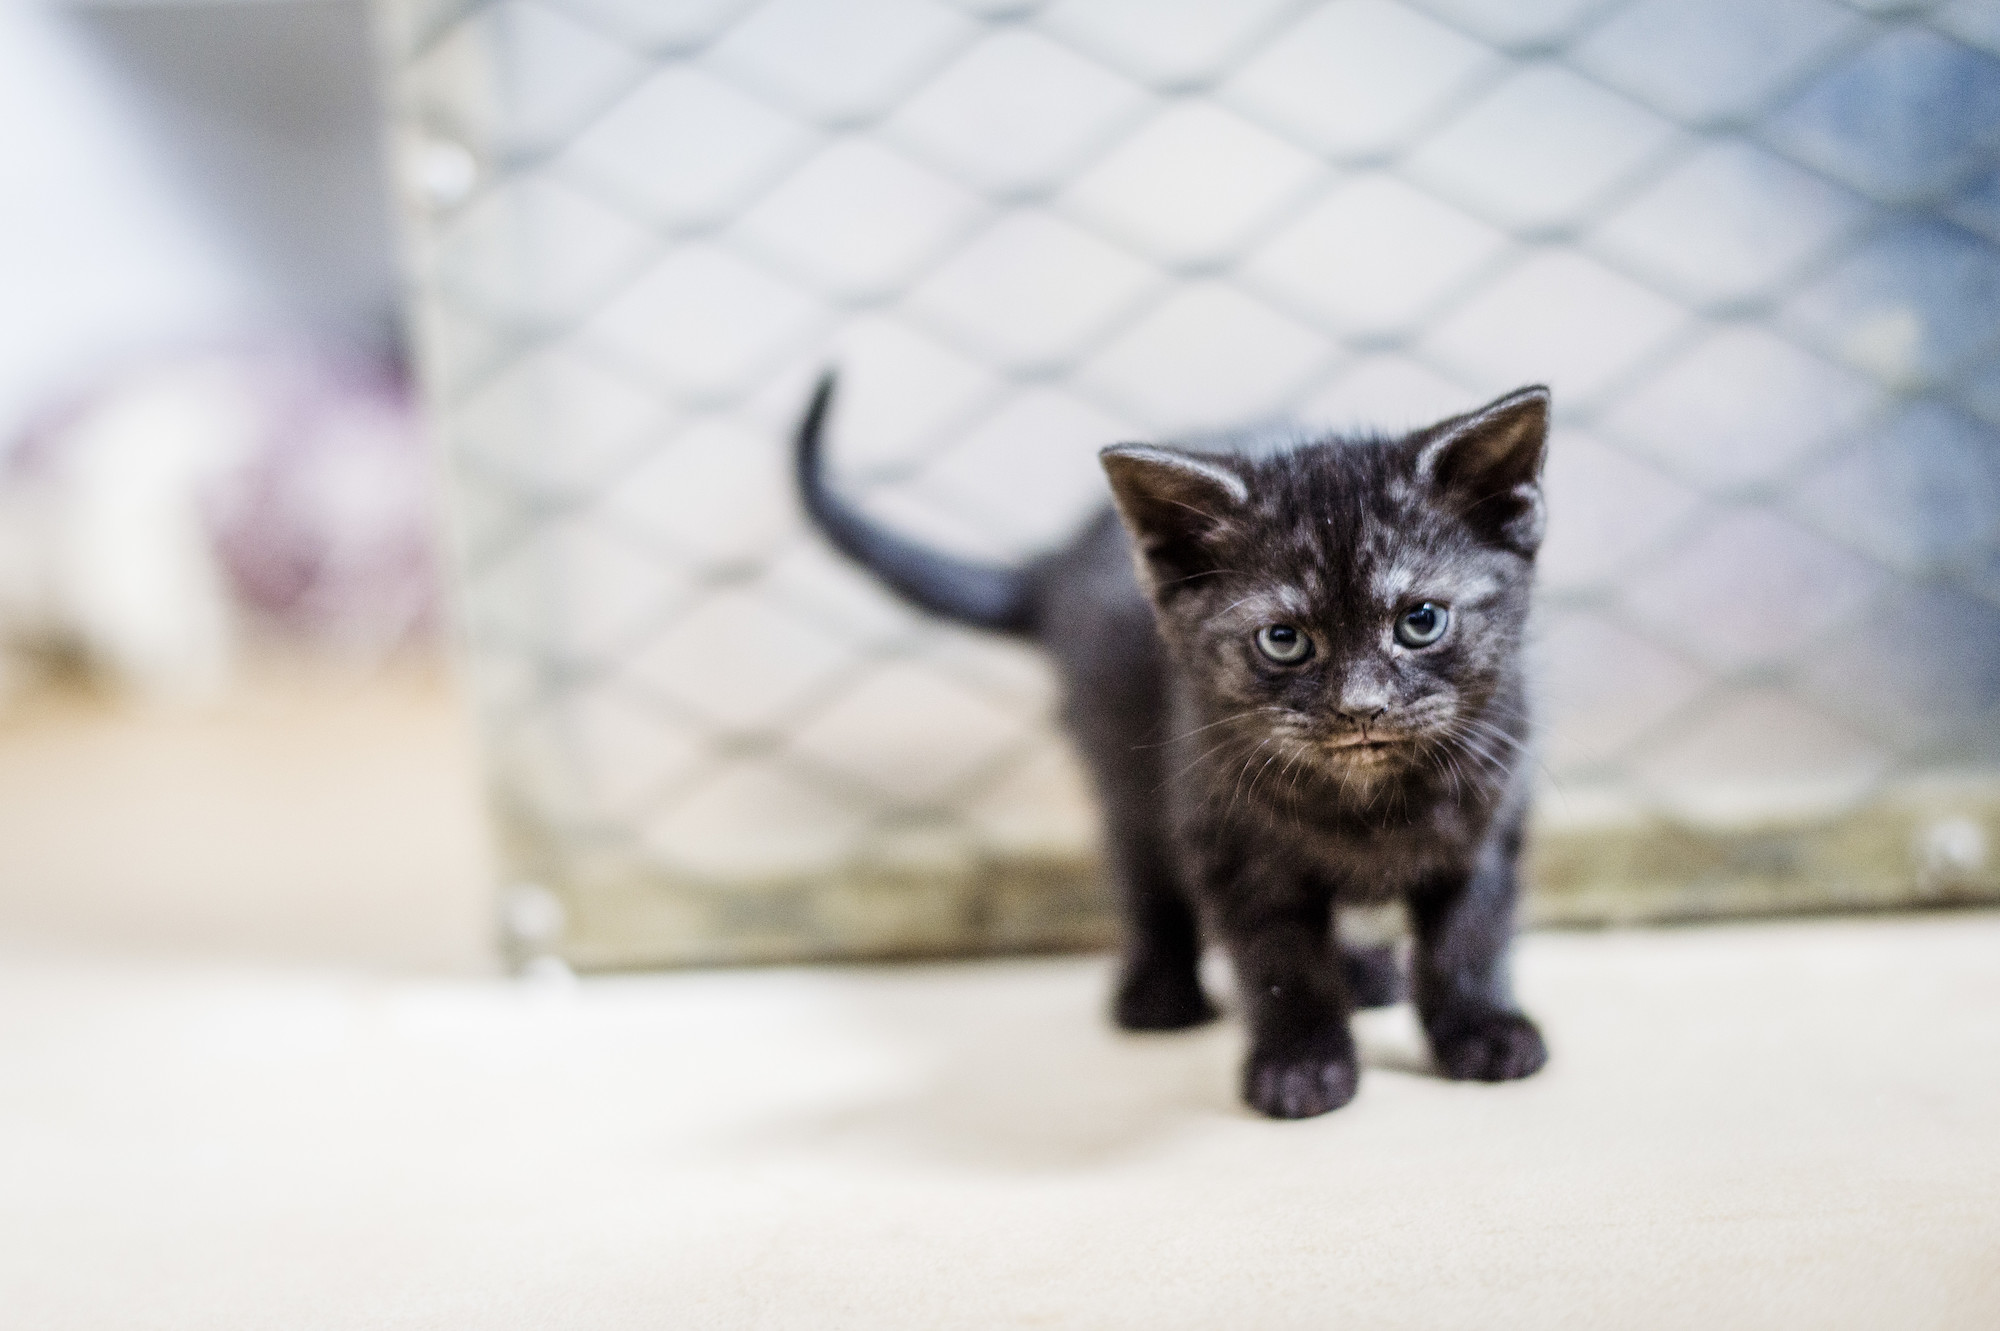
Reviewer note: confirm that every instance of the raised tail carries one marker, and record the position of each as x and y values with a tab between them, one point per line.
983	595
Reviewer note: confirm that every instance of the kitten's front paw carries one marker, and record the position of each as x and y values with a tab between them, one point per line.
1487	1046
1160	998
1301	1080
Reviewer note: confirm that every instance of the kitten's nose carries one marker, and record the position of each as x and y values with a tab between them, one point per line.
1361	701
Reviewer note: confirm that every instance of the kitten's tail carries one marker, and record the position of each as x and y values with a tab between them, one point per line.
983	595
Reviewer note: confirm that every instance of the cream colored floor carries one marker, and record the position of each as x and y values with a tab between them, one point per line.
1788	1125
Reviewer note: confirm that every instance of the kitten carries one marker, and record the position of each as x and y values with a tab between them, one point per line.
1296	678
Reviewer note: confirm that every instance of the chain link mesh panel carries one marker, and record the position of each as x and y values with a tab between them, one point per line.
1750	243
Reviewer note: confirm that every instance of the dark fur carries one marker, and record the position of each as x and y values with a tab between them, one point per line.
1237	804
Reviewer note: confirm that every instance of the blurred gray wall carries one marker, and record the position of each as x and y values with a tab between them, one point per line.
178	173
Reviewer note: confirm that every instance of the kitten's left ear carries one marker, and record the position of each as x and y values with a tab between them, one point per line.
1489	462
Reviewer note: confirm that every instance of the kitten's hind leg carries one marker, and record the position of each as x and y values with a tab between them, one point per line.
1115	677
1113	713
1373	977
1159	969
1369	938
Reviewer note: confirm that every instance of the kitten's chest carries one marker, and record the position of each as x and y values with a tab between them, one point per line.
1366	861
1364	857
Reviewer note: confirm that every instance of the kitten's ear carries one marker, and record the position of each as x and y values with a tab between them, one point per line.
1174	504
1489	462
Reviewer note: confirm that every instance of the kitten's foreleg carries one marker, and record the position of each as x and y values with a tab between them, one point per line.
1464	927
1301	1060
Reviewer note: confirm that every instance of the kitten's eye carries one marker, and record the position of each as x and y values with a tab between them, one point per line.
1422	625
1284	644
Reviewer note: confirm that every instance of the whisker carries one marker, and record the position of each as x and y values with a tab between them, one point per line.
1234	716
1485	757
1473	742
1486	727
1199	758
1205	573
1297	751
1236	787
1252	792
1525	749
1449	766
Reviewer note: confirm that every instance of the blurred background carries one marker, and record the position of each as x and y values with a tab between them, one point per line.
226	725
266	503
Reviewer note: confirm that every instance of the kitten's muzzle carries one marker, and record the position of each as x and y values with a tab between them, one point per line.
1362	728
1358	744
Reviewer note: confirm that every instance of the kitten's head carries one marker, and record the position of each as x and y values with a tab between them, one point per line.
1361	600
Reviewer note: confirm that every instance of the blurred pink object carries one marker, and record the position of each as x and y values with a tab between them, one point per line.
194	504
326	527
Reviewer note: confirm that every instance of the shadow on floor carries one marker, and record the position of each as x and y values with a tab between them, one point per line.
1022	1072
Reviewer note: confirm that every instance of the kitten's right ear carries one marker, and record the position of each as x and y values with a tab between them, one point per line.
1174	504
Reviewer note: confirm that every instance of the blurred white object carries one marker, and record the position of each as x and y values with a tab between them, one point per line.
1950	851
153	530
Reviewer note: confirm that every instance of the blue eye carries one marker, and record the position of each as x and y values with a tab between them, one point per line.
1283	644
1422	625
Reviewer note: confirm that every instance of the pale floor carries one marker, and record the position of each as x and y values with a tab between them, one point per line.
252	1075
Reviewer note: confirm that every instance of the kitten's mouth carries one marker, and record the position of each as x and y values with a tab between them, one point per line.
1364	746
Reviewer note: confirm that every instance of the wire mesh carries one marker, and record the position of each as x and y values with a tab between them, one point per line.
1753	245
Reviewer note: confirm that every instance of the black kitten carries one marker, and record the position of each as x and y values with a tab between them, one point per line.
1298	684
